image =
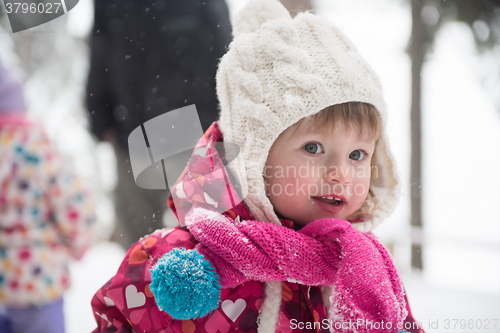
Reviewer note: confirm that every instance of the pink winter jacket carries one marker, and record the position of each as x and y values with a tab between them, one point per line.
244	256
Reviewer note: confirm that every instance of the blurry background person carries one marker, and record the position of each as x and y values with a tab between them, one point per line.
46	218
147	58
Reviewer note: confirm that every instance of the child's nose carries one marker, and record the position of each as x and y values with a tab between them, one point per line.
339	173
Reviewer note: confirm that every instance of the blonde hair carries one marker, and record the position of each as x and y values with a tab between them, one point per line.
365	119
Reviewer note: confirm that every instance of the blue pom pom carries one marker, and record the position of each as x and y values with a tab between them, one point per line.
185	285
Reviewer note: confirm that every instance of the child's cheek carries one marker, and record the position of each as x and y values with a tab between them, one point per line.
361	188
280	187
363	171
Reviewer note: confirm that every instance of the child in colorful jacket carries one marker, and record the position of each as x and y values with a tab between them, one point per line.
277	201
47	217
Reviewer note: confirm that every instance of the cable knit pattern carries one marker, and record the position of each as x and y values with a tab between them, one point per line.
279	70
325	252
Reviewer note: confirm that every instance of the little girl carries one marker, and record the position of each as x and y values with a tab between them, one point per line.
277	201
47	218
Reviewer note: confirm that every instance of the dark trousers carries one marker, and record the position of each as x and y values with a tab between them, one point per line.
139	211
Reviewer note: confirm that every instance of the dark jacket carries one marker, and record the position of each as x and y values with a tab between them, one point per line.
149	57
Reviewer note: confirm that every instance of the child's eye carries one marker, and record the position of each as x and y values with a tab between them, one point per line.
357	155
313	148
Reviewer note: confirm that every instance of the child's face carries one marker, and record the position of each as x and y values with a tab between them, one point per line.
312	175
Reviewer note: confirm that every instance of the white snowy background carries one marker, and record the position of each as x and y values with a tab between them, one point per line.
461	131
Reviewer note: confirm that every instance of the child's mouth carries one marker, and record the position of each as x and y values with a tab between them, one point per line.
330	200
331	204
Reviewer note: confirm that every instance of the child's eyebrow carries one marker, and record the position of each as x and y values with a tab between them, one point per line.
309	136
367	139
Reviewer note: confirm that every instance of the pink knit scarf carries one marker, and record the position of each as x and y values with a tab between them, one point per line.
325	252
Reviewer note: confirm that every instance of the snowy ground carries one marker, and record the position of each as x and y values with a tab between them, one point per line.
88	275
443	310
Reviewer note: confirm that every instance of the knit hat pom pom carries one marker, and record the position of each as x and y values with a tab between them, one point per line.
185	285
257	12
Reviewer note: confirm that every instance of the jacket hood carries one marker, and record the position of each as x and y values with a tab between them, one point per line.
205	181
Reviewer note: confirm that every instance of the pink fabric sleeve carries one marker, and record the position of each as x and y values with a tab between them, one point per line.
253	250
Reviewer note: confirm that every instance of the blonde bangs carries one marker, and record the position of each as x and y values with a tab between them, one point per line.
361	117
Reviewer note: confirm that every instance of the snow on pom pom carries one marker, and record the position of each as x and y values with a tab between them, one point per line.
257	12
185	284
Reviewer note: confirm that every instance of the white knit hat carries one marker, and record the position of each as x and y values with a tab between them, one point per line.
279	70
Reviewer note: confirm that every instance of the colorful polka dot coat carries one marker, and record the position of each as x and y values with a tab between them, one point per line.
46	216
